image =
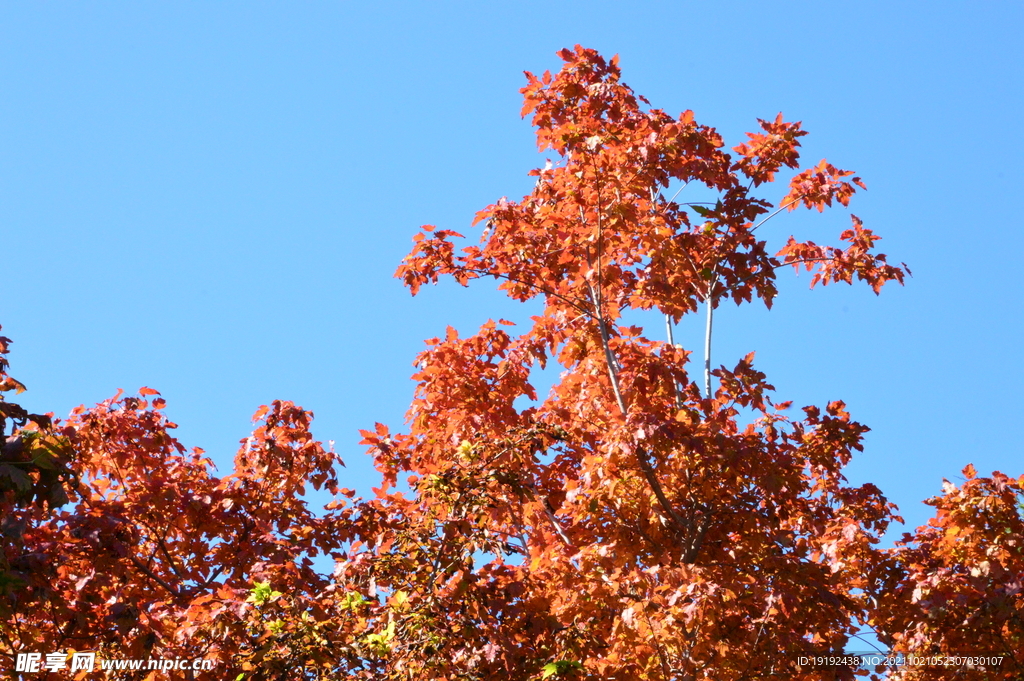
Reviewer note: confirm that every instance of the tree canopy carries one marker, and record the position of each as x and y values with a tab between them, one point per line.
643	520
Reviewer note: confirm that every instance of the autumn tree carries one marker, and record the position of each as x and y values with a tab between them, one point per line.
635	523
153	556
955	587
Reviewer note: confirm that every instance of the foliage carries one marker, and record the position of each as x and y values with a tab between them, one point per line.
33	460
33	474
628	525
958	582
157	557
653	535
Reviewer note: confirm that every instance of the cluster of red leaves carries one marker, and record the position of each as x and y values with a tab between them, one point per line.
605	196
158	558
653	535
956	585
756	557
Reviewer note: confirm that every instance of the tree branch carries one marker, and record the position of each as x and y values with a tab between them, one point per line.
498	275
149	573
707	344
780	209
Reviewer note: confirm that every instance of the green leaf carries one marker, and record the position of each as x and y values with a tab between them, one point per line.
352	600
560	667
262	593
44	460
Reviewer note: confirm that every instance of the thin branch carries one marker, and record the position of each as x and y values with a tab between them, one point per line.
799	261
672	342
213	576
242	539
170	560
877	649
595	299
707	345
696	539
635	526
684	527
687	655
666	672
149	573
557	525
780	209
764	620
678	190
498	275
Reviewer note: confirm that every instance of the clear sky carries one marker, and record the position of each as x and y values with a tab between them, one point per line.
210	199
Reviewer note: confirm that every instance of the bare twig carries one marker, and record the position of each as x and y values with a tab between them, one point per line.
498	275
780	209
707	344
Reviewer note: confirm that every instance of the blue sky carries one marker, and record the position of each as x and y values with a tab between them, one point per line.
210	199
